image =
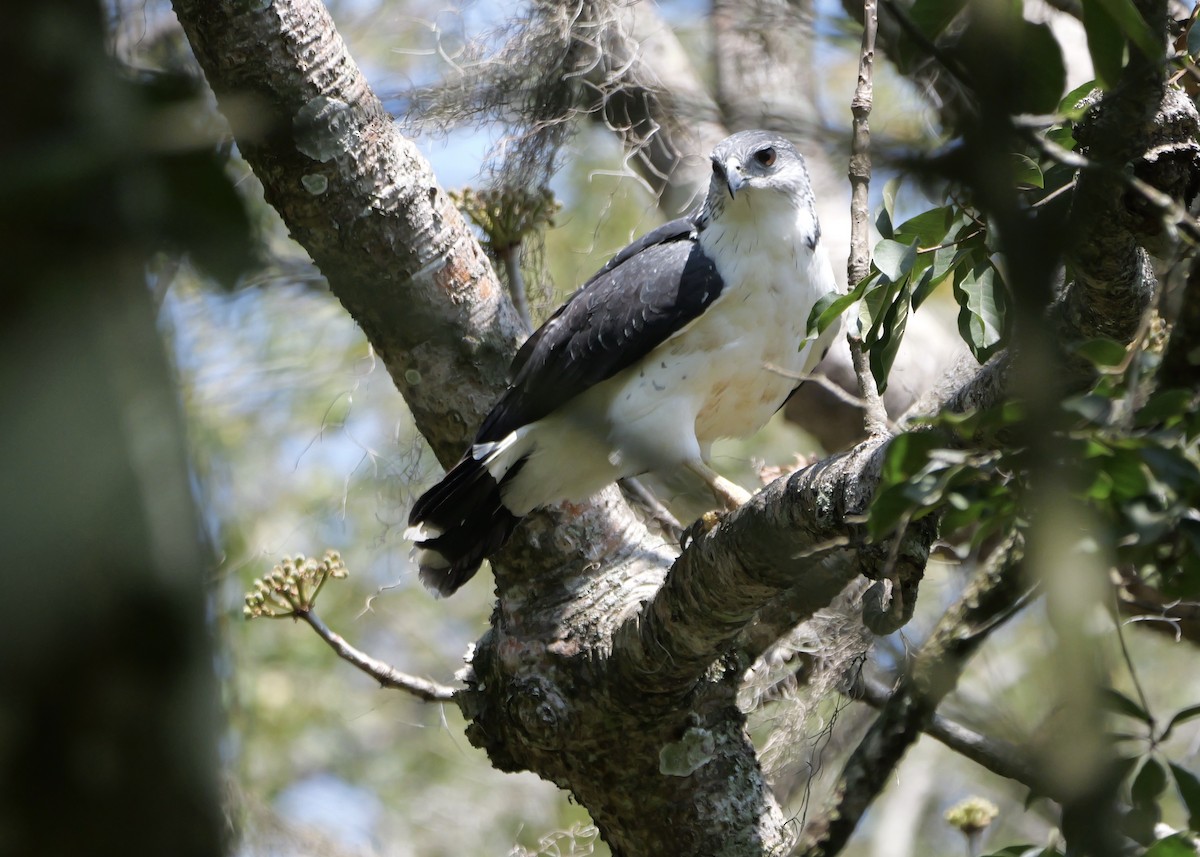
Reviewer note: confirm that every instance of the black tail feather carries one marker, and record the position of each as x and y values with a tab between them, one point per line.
465	520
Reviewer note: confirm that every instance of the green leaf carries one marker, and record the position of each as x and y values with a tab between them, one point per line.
960	515
956	247
1165	405
1102	352
926	229
1137	822
893	259
1149	783
981	318
1176	845
1123	766
887	509
1172	467
828	307
1069	108
1063	135
908	455
1119	703
933	276
204	214
1128	474
1093	407
1026	172
1189	792
1043	77
875	302
1148	522
1133	25
1059	176
886	216
1105	42
1181	716
889	336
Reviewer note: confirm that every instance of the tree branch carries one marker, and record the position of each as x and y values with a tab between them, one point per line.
364	203
998	756
859	263
588	649
987	603
801	535
387	676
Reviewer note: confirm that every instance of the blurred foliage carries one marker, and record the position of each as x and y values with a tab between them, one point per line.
1139	476
109	715
1124	454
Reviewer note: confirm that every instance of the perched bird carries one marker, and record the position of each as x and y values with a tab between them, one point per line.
694	332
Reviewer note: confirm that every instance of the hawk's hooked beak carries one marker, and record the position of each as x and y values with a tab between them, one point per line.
730	174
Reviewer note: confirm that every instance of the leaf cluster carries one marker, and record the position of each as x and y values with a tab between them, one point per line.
1146	776
1136	465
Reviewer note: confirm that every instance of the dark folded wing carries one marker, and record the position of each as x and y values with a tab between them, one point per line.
645	293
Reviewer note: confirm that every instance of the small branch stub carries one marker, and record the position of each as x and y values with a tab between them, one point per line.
542	714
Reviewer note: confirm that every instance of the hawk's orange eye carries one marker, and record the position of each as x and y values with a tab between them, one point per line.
766	156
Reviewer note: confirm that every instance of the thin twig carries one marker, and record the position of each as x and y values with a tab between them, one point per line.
874	414
386	675
1055	194
859	264
832	387
654	508
954	243
1137	684
516	283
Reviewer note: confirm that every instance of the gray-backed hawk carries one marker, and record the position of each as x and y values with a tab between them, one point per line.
694	332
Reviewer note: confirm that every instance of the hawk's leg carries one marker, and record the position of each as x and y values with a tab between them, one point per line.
729	494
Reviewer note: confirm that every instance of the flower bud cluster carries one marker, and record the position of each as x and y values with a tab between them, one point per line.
292	586
507	214
972	816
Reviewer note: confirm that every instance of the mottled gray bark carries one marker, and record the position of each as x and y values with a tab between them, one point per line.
364	203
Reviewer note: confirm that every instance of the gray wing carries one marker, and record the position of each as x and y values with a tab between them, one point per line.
647	292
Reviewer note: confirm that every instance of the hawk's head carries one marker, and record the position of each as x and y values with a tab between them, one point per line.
758	160
759	177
